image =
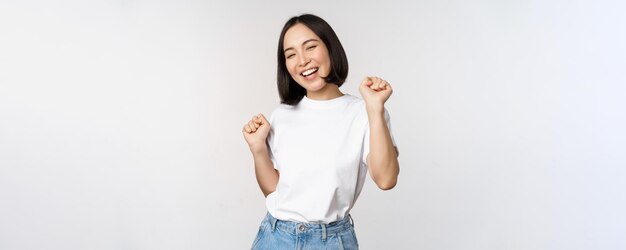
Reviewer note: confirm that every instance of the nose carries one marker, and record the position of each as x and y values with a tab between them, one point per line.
304	60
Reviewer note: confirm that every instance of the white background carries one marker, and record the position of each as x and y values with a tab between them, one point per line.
120	121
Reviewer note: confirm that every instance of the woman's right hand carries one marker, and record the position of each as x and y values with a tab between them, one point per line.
255	132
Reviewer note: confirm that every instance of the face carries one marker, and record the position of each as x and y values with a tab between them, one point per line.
306	57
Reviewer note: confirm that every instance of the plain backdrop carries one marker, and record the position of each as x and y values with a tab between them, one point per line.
120	121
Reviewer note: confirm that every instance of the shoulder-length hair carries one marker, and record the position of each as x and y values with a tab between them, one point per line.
289	90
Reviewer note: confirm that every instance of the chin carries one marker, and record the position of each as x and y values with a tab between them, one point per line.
315	85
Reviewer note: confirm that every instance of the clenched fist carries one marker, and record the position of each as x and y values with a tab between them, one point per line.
255	132
375	92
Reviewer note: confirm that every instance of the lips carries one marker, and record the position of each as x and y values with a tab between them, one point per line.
309	72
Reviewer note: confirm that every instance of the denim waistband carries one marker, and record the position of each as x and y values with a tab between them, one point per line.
314	229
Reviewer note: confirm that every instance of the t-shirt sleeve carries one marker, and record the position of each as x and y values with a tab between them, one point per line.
366	141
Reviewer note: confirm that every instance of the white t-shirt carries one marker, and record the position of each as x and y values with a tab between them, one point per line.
319	148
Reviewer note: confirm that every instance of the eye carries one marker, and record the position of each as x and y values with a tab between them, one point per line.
290	56
311	47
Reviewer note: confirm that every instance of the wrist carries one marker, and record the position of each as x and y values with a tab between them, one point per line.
258	148
376	117
374	109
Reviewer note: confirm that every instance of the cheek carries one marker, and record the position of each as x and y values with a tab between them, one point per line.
290	68
324	58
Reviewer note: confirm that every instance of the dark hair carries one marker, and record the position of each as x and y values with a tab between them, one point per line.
289	90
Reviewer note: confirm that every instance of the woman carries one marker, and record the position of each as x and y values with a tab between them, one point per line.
312	156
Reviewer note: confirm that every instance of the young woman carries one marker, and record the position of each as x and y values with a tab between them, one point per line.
311	158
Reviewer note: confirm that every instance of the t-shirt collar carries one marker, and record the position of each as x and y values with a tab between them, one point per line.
310	103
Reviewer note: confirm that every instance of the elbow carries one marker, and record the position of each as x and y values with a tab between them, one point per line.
387	185
388	180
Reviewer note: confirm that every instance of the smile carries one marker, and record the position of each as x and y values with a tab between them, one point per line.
309	72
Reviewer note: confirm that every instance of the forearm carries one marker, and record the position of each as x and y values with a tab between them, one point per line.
266	175
383	157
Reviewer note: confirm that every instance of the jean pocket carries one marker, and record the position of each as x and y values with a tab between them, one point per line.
347	240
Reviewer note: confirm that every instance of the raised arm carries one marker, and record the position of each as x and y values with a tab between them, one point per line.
255	132
382	159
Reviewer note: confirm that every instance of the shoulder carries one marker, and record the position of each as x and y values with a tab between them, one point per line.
351	99
355	102
282	110
357	106
354	109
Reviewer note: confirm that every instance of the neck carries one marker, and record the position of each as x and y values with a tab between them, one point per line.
330	91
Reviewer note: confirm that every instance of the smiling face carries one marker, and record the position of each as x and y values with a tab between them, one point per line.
306	57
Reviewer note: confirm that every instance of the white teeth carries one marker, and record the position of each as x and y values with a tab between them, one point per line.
309	72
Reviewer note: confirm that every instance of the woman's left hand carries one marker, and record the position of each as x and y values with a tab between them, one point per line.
375	92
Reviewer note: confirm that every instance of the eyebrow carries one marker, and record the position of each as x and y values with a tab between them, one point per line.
305	42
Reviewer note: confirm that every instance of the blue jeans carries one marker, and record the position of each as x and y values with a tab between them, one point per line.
280	234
